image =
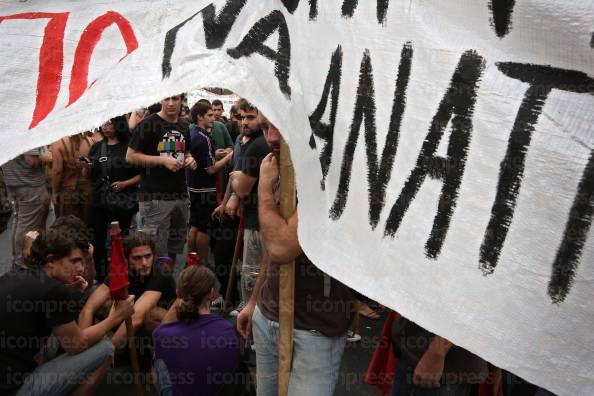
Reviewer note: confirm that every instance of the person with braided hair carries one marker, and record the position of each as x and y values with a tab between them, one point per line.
196	352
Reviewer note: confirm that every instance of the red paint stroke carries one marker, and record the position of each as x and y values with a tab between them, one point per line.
88	41
51	61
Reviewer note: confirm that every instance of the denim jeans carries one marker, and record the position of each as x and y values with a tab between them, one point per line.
403	383
163	381
316	360
61	375
252	260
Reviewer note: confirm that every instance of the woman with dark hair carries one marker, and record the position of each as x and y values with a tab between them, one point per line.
36	302
114	195
196	352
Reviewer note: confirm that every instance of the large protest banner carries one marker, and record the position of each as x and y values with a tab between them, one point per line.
444	150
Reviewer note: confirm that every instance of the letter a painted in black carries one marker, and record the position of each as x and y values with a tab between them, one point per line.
320	129
253	43
458	102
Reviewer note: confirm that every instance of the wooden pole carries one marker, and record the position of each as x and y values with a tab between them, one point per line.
287	276
115	230
232	275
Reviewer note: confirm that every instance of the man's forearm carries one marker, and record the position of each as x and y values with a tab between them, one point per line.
143	160
85	318
440	346
271	222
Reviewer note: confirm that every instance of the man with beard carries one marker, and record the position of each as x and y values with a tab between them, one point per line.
244	184
159	148
323	306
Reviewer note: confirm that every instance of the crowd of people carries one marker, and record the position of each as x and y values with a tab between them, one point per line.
179	179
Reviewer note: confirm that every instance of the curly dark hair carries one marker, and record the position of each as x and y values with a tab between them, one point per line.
53	243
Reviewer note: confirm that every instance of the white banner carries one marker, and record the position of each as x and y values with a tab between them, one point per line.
450	173
227	100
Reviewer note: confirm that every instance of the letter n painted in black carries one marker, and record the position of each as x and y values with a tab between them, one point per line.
575	236
253	43
216	30
542	80
320	129
457	105
379	172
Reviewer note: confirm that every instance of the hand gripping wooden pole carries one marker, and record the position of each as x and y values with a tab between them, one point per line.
287	276
115	230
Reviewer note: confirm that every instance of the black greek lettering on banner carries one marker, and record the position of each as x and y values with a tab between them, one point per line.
349	6
254	40
501	20
575	236
542	80
379	172
457	105
320	129
216	30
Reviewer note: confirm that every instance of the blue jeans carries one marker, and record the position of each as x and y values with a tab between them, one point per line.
163	381
316	359
403	383
61	375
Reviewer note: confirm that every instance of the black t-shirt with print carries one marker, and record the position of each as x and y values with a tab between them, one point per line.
159	280
31	305
255	152
158	137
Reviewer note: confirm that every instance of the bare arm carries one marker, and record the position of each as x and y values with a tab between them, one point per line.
171	315
57	167
147	301
279	235
95	301
140	159
132	181
75	340
430	367
242	184
211	170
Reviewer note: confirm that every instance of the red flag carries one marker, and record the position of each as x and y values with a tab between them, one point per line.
118	270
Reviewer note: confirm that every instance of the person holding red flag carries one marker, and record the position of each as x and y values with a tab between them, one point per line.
152	284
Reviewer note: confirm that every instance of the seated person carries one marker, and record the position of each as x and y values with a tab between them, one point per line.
72	227
36	302
152	285
196	352
431	365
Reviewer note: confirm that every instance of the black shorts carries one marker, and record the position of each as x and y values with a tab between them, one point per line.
201	207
